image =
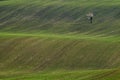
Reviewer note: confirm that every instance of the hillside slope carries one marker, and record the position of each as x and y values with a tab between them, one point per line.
60	16
52	39
43	53
22	57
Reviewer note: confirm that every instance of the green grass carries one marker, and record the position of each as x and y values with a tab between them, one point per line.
65	75
41	52
61	17
64	36
58	57
53	40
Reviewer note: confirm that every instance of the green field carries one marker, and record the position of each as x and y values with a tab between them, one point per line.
53	40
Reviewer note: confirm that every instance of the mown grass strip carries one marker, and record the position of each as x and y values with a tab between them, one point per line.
64	36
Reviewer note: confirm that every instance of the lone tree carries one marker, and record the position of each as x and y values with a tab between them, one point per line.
90	16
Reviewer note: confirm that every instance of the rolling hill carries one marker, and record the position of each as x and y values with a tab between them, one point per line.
54	40
60	16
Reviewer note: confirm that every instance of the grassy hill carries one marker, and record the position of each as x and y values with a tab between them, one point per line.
60	16
53	40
